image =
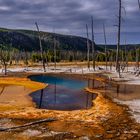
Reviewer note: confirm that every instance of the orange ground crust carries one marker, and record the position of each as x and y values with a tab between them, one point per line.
22	82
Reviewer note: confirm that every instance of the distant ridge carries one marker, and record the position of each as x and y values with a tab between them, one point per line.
28	40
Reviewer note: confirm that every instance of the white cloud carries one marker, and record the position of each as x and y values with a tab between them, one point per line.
4	8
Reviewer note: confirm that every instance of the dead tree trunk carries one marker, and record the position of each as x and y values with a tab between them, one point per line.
88	48
105	46
26	59
4	58
54	53
137	59
5	66
111	61
119	35
41	49
5	69
28	124
139	3
126	56
93	45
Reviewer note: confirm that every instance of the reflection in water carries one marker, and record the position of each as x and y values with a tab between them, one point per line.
62	94
55	94
41	97
62	100
124	93
2	89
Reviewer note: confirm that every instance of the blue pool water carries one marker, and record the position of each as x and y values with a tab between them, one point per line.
62	93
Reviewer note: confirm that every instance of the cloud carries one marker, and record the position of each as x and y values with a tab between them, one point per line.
4	8
71	16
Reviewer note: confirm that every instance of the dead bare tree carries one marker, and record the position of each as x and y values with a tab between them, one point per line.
41	48
139	3
126	56
93	44
4	58
123	62
88	48
110	60
105	45
54	53
119	36
137	59
25	58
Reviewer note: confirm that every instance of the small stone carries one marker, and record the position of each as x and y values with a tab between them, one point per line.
98	136
118	134
131	132
111	132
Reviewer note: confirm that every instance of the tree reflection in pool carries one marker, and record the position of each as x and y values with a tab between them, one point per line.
62	93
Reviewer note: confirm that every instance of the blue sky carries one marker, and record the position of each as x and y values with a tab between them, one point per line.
71	16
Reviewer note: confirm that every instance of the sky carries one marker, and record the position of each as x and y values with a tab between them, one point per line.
71	16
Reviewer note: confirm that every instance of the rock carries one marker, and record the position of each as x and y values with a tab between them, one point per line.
131	132
111	131
118	134
98	136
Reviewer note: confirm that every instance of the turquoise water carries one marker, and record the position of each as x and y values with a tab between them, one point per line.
62	93
61	81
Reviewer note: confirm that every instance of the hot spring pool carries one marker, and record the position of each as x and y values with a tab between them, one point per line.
62	93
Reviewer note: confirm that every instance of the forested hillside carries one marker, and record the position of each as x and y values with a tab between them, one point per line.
27	40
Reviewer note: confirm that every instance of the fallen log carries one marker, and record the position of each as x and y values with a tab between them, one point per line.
28	124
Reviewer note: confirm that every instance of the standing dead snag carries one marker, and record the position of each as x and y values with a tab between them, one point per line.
126	56
88	48
93	44
41	49
119	35
137	59
4	58
139	3
105	45
54	53
25	58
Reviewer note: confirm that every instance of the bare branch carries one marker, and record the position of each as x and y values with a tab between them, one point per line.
124	10
41	49
119	35
93	45
105	44
88	48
